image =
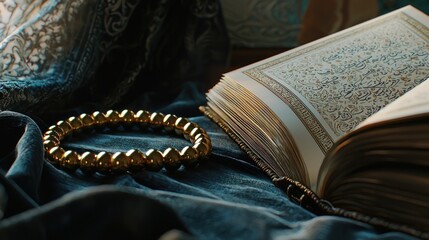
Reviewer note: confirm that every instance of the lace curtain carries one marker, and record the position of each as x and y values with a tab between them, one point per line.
56	54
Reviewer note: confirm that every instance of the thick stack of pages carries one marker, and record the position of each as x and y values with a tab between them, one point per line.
343	116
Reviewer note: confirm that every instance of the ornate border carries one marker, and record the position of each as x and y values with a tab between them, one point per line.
313	125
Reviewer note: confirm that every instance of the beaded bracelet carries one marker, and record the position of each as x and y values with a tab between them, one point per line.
133	160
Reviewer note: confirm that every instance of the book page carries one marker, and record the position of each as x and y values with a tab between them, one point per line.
311	153
324	89
414	102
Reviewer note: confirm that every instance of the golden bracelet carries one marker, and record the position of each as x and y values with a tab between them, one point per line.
133	160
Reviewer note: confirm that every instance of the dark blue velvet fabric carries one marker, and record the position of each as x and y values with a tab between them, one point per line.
131	54
225	197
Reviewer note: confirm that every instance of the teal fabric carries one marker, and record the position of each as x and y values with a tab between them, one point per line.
225	197
386	6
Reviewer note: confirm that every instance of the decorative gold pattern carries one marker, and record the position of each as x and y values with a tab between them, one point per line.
132	160
31	43
349	77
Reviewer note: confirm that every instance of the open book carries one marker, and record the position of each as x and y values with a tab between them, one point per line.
341	123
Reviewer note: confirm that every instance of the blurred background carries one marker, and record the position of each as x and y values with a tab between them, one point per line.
261	28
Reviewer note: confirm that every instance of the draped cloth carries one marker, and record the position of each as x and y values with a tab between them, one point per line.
62	58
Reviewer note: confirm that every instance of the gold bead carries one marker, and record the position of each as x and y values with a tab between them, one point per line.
143	118
127	115
189	156
48	144
52	133
112	116
104	162
168	122
127	118
75	123
188	128
194	132
99	118
137	160
120	162
202	149
206	141
58	131
55	155
52	137
179	124
156	120
88	162
65	127
87	120
200	136
153	160
113	119
171	159
70	160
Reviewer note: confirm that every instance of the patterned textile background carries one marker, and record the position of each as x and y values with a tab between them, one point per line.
328	16
60	54
264	23
289	23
